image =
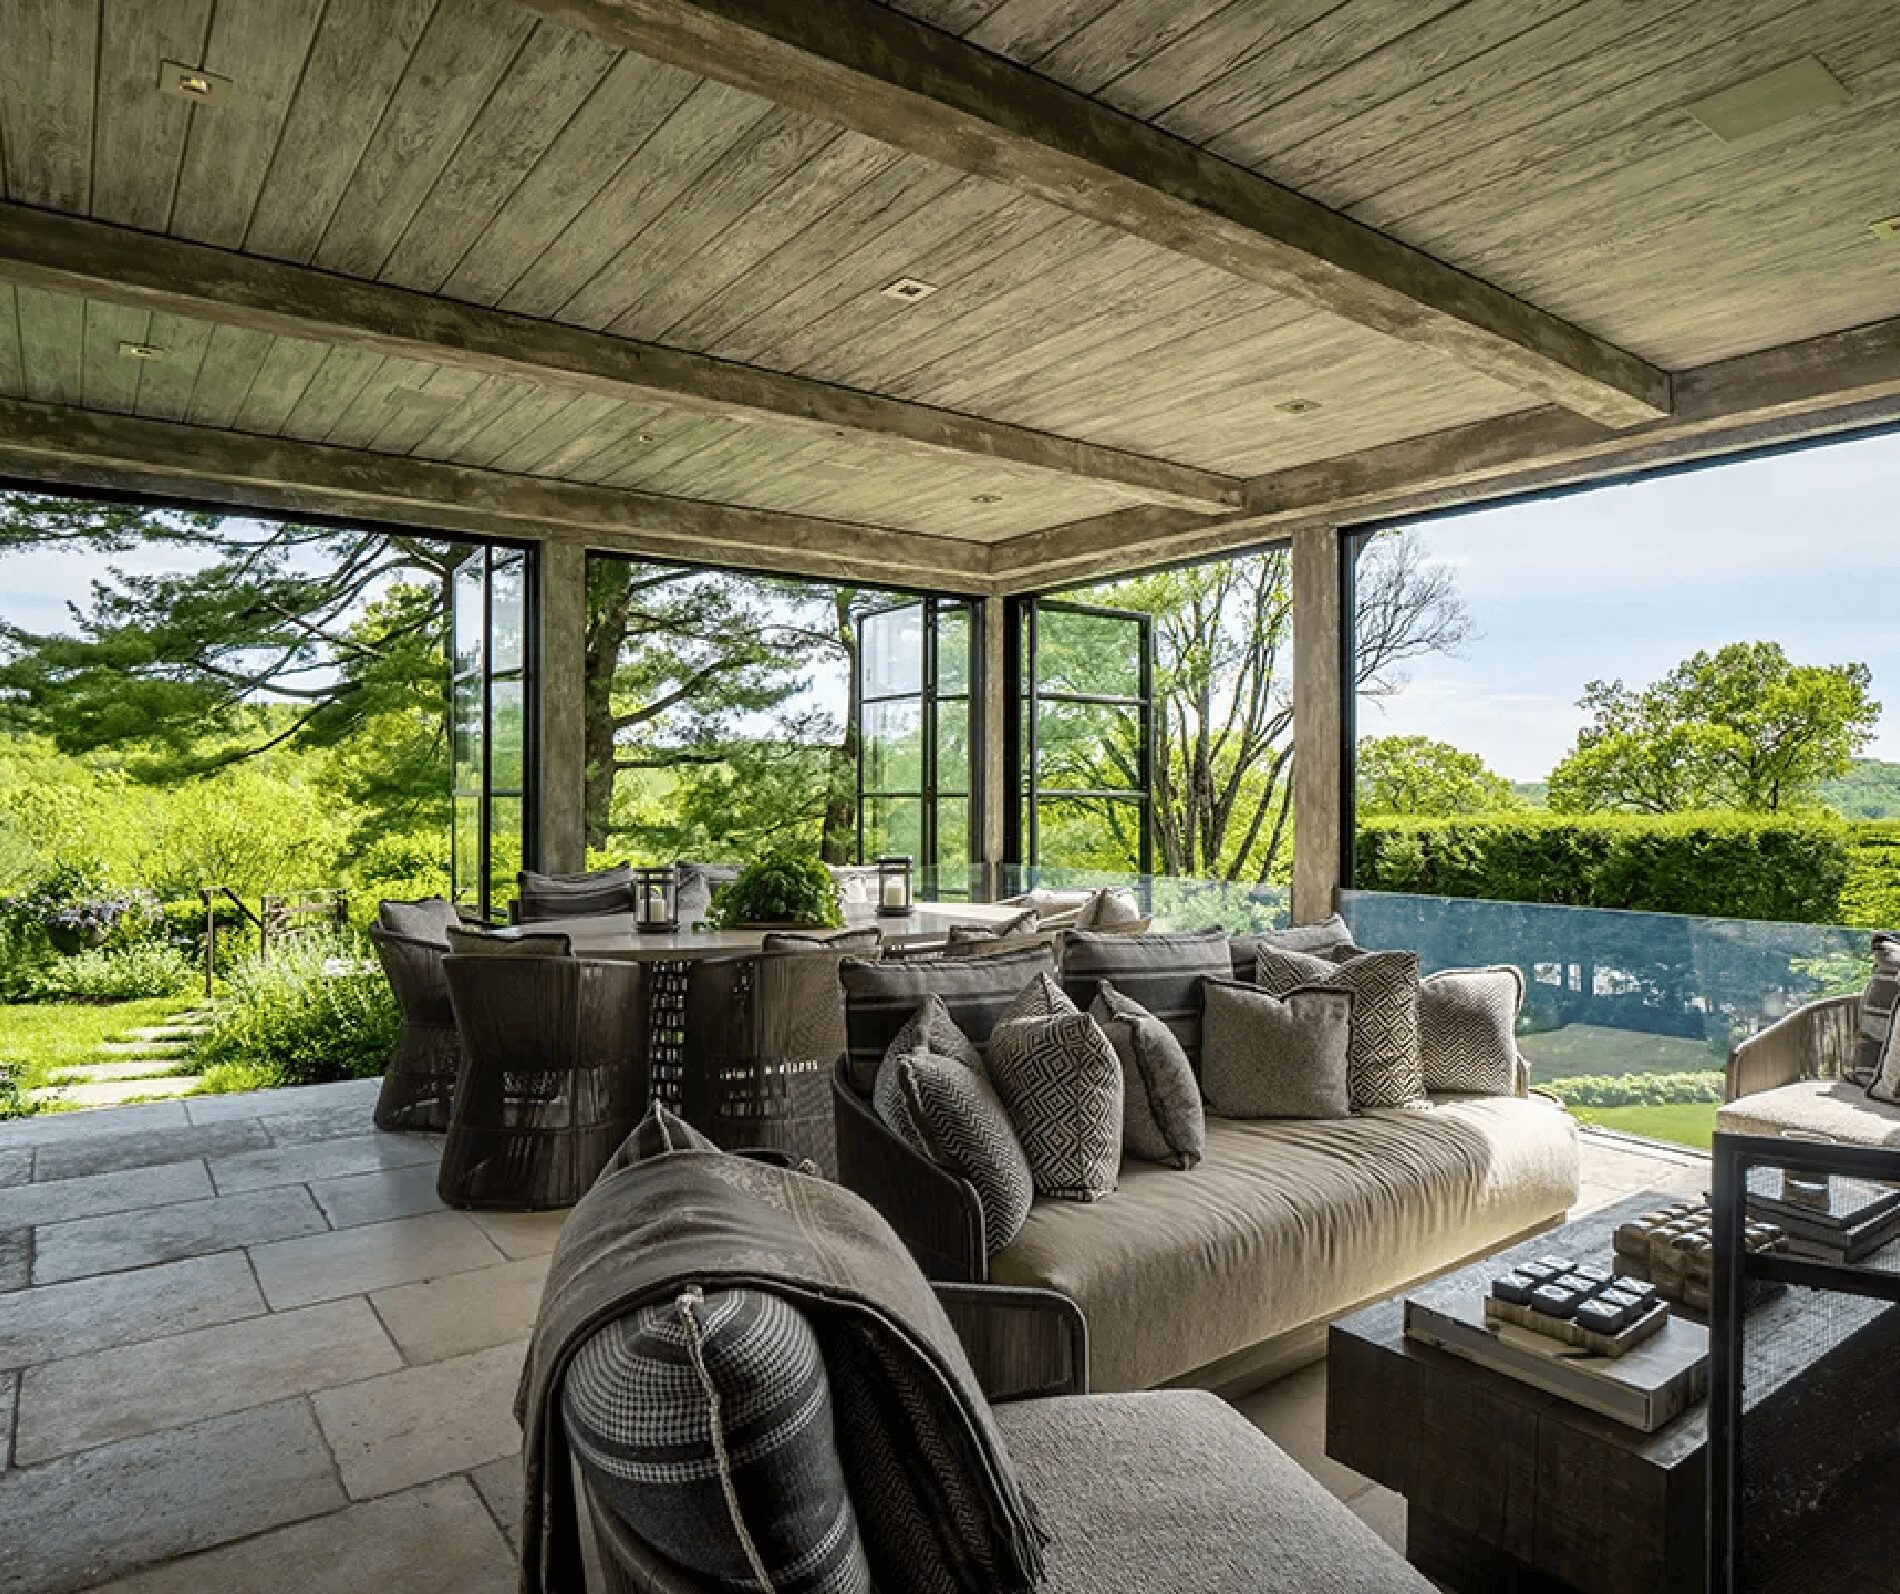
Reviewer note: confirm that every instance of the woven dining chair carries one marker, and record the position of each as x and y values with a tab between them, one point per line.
553	1078
419	1083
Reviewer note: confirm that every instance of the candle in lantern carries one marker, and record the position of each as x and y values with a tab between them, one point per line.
654	907
894	892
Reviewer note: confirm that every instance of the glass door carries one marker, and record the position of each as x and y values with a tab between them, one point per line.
1084	741
915	728
489	724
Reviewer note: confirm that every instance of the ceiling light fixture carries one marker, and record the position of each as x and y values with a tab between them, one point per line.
1768	100
1298	406
141	351
192	83
908	290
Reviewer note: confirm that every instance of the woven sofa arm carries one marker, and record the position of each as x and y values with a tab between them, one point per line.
1023	1343
936	1214
1817	1041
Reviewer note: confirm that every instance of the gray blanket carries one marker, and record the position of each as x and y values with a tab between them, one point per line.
660	1219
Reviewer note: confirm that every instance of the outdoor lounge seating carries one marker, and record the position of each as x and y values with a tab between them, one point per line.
1793	1079
411	941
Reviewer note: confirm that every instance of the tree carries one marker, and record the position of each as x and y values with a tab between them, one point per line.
1415	775
1742	727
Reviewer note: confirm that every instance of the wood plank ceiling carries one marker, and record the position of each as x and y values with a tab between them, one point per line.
482	152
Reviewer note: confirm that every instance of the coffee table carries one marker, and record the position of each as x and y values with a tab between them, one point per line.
1511	1489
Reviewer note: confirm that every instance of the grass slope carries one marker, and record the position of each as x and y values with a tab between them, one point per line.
39	1038
1688	1124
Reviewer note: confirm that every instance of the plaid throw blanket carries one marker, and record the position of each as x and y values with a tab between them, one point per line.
672	1211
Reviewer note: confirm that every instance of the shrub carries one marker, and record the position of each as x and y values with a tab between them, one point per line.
1636	1090
76	911
781	887
311	1014
1789	867
13	1102
117	973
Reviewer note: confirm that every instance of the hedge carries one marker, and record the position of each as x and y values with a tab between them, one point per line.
1717	865
1635	1090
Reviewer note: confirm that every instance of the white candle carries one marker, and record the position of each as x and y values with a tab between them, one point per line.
654	911
894	891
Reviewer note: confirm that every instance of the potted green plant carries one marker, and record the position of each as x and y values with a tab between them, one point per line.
781	889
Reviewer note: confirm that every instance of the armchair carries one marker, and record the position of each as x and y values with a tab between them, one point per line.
1793	1079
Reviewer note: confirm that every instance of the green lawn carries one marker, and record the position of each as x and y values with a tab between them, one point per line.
1592	1049
37	1039
1683	1124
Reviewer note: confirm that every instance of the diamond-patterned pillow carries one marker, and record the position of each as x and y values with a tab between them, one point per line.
1042	997
932	1029
1467	1030
1061	1083
1162	1116
1382	1062
948	1112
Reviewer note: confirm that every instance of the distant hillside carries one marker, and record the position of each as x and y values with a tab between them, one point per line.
1534	792
1870	790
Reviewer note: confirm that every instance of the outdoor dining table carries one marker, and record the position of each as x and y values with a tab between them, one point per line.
615	935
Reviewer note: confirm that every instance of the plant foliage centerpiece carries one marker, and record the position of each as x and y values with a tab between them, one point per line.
783	887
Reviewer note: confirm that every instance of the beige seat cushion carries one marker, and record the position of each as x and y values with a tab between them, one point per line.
1289	1221
1174	1491
1835	1108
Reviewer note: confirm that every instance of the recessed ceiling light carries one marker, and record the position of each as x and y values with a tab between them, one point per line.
141	351
909	290
1768	100
645	437
1298	406
192	83
1890	228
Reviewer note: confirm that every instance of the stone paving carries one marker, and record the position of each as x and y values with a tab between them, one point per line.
144	1067
243	1346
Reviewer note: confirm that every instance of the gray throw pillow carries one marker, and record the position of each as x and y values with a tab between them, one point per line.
706	1422
573	896
427	920
1162	1117
1276	1056
1111	908
932	1029
862	943
1382	1064
1163	972
879	997
698	883
1467	1030
1877	1004
1010	929
1886	1083
1061	1083
947	1111
1329	939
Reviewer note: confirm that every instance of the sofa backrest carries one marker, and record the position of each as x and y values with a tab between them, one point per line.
880	996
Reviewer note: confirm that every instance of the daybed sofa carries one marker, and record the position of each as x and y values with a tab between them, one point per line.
1224	1274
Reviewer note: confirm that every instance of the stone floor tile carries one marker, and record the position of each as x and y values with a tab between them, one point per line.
322	1159
378	1197
16	1258
37	1325
171	1233
500	1486
305	1124
138	1389
48	1129
321	1267
284	1100
71	1159
523	1233
465	1312
129	1190
9	1387
1292	1413
16	1166
432	1540
84	1518
1383	1512
406	1428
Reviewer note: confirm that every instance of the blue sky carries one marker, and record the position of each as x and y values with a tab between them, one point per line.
1801	547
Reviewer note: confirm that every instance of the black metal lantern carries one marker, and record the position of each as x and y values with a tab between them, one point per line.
656	900
893	888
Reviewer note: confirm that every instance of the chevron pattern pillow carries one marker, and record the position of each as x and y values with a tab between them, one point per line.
1162	1117
1330	939
1276	1057
1061	1083
1467	1030
947	1111
1382	1062
706	1424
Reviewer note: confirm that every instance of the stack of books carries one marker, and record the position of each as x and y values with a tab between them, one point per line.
1834	1220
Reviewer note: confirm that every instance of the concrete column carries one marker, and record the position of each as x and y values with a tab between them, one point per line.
995	795
1319	712
560	682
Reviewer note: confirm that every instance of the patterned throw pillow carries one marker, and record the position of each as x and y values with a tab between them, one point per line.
1162	1117
1042	997
1382	1062
947	1111
1163	972
1061	1083
879	997
706	1423
1329	939
1467	1030
932	1029
1877	1005
1023	924
1276	1057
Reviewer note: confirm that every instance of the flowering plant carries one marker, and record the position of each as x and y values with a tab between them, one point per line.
78	912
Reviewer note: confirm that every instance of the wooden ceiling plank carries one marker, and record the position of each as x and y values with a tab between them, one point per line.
61	444
12	365
139	133
279	381
409	420
338	382
1114	43
52	345
87	258
232	362
110	380
46	99
1235	36
165	384
1027	30
855	63
378	399
260	45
